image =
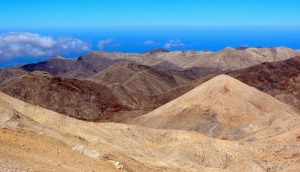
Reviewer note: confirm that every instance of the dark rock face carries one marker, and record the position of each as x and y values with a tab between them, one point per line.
55	66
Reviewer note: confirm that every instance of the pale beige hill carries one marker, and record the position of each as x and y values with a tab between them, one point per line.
142	79
232	59
29	151
128	148
222	107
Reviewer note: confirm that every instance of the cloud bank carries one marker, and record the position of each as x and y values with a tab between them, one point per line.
101	43
173	43
24	44
150	42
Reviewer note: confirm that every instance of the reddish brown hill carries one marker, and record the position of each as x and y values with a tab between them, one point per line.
79	99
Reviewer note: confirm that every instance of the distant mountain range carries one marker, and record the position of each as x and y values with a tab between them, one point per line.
224	60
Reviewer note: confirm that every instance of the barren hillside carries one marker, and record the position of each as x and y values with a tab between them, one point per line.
66	144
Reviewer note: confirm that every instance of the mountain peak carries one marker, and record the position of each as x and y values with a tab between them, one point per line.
222	107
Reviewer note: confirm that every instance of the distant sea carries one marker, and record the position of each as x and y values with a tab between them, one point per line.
133	39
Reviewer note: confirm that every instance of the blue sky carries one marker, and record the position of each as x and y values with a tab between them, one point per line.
32	30
94	13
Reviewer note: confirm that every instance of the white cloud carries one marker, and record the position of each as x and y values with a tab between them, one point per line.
116	45
150	42
173	43
101	43
24	44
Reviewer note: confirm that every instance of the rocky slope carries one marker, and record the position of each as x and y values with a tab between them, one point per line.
222	107
74	145
79	99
